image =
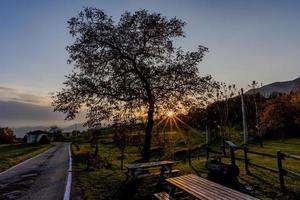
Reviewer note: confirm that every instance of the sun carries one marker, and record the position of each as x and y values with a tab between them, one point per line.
170	113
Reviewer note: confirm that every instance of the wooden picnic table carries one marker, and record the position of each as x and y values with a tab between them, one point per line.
201	188
138	170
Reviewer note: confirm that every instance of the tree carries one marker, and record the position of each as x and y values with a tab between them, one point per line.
221	96
255	96
277	114
55	133
121	133
7	136
296	106
129	67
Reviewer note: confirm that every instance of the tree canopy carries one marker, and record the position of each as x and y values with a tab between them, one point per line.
7	135
129	68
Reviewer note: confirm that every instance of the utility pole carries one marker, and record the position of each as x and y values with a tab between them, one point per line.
245	129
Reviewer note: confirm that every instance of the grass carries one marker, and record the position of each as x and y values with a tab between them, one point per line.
12	154
266	184
103	183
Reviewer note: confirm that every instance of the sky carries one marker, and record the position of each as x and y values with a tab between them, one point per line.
247	40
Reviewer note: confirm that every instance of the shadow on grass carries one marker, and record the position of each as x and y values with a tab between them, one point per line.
262	187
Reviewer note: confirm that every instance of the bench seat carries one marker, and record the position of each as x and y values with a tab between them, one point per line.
163	196
174	171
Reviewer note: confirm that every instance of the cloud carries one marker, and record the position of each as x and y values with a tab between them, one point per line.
13	110
18	108
16	114
11	94
6	89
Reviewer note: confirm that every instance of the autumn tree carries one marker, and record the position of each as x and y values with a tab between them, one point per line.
295	101
7	135
129	66
277	114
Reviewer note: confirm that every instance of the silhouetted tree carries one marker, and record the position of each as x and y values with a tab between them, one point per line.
129	66
221	96
7	136
55	133
256	99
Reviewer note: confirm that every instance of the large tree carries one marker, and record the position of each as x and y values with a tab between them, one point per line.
277	114
7	136
130	66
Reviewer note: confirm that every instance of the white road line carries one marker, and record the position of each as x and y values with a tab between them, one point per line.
22	163
69	178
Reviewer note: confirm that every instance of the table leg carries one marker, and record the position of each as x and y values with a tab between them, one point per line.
172	191
160	178
133	175
170	170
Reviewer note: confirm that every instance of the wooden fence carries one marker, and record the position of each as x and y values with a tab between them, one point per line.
279	157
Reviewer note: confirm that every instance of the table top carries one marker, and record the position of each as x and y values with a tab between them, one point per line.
204	189
149	164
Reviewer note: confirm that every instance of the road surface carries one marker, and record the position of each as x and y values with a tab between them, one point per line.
41	178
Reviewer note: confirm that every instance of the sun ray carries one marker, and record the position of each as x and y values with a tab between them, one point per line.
159	122
191	128
180	131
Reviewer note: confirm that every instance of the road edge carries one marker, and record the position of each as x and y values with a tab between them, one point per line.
69	177
25	161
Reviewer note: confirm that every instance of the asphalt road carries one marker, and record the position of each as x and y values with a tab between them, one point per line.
41	178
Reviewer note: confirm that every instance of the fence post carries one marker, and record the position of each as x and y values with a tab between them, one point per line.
223	147
189	156
280	157
232	155
88	161
246	160
207	152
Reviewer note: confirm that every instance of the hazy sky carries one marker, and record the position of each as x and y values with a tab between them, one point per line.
247	40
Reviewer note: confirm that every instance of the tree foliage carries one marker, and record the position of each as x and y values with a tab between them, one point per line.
277	115
129	67
7	136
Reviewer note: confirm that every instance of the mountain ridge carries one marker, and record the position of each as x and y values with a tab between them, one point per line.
279	87
21	131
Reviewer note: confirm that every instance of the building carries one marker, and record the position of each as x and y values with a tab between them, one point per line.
37	137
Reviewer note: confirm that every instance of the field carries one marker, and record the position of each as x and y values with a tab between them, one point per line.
12	154
104	183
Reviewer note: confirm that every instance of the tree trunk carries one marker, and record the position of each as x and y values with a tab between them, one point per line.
97	147
148	132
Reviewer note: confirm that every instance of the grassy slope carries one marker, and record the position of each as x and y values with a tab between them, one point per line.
12	154
102	183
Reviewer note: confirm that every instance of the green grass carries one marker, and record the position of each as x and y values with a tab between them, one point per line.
12	154
266	183
103	183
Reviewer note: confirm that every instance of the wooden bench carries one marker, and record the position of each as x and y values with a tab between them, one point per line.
173	172
163	196
142	170
201	188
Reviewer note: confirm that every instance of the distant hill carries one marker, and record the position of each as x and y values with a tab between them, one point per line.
78	126
21	131
279	87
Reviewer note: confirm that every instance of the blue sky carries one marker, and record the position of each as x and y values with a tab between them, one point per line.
247	40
